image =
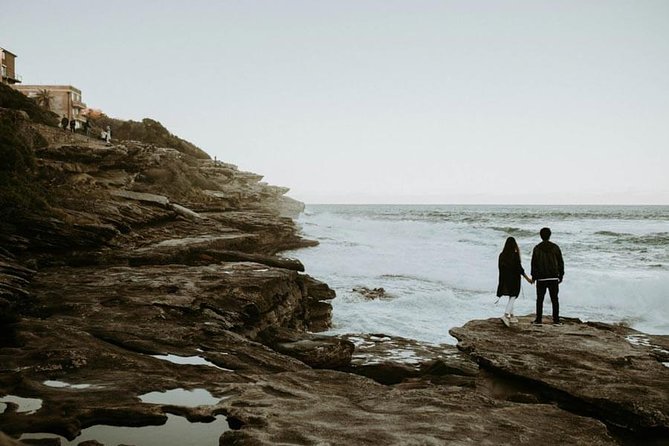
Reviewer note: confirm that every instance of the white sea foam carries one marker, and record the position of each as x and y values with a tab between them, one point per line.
440	264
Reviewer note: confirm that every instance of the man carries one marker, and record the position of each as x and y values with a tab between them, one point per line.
547	271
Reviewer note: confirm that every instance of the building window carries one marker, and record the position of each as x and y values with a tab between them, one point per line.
4	70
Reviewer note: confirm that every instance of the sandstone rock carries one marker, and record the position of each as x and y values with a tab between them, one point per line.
85	153
244	297
129	293
182	210
187	250
201	292
272	234
139	196
609	372
327	407
367	293
317	289
316	351
318	315
393	360
289	207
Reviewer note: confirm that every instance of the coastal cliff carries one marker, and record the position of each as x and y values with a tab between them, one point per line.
150	272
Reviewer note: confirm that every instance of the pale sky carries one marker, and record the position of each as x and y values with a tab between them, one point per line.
381	101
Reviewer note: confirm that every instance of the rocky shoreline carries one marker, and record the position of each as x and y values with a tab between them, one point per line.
158	274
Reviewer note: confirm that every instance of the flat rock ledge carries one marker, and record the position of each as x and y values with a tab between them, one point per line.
608	372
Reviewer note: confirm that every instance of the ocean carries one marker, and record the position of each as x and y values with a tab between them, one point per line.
438	264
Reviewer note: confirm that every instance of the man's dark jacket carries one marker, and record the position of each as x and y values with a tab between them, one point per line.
547	261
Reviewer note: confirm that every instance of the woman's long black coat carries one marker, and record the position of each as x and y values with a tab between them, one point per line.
510	272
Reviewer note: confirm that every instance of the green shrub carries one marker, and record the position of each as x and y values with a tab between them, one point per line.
19	192
10	98
148	131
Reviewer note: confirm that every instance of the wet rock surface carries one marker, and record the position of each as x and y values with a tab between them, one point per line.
321	352
141	280
371	293
153	294
394	360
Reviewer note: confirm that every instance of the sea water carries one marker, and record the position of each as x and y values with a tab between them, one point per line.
438	264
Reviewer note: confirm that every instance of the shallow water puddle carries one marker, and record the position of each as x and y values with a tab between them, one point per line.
64	385
177	431
181	397
638	340
190	360
26	405
404	355
644	341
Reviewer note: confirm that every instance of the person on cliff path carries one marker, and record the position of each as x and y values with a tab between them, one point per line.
547	272
73	125
510	272
106	134
64	122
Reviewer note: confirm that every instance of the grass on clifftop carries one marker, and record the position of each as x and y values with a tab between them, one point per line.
148	131
10	98
19	192
22	194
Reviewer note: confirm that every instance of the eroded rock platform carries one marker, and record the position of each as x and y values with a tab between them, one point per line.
152	292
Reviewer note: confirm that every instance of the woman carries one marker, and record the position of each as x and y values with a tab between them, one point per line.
510	271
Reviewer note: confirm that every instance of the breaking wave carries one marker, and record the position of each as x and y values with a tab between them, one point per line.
439	263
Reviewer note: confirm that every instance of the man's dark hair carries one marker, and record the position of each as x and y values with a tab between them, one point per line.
545	233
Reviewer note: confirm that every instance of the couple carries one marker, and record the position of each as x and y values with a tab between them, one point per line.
547	271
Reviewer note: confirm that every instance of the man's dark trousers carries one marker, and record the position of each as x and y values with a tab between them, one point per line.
553	288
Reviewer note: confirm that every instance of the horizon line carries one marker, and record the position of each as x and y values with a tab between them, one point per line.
483	204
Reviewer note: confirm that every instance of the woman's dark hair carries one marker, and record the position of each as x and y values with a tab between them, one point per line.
510	249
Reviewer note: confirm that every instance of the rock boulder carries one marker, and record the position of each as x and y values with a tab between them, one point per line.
609	372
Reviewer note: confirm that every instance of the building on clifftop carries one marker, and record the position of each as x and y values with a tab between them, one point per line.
8	66
64	100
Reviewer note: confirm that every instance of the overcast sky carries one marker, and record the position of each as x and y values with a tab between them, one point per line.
381	101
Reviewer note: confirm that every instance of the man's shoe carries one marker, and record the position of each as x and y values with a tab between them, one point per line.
537	323
557	323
